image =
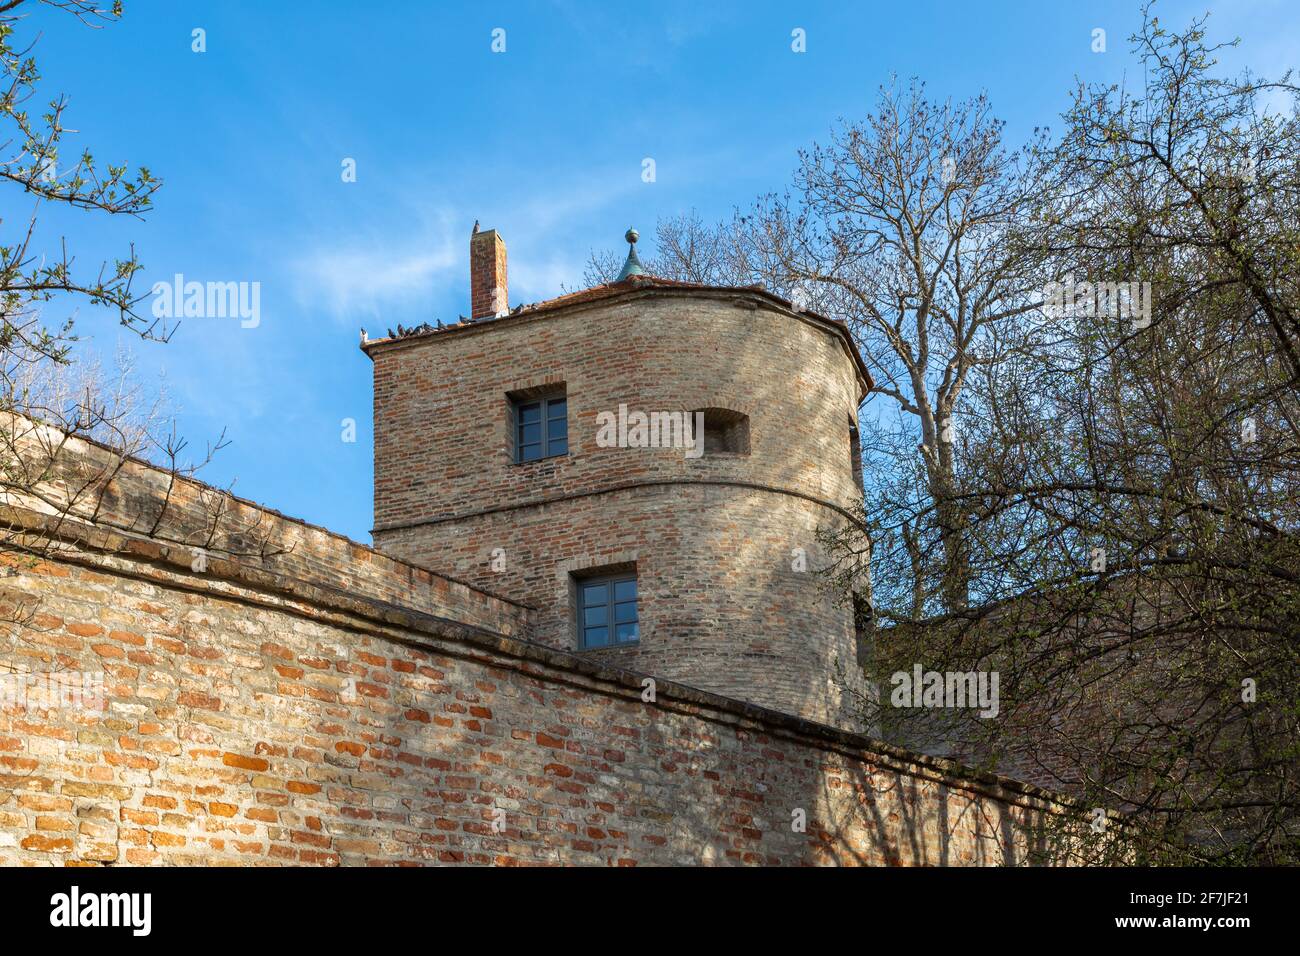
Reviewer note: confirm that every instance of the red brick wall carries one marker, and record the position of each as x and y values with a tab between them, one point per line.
253	719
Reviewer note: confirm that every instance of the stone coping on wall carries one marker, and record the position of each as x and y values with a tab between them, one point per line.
164	564
130	492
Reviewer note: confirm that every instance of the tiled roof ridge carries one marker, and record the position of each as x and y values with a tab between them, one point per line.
589	294
631	284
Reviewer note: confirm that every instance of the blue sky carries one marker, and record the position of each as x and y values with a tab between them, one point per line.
543	142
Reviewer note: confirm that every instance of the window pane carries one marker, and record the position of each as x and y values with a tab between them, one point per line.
531	412
528	434
608	612
557	428
557	446
530	452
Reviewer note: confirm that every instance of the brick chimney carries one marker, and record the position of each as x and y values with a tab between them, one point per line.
487	275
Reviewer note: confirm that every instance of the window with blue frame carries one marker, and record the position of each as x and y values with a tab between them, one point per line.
541	427
607	611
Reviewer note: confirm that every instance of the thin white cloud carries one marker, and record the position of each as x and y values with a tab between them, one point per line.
354	280
393	269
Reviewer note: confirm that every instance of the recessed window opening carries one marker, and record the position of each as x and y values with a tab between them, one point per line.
726	432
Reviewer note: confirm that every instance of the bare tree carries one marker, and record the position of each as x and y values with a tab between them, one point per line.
902	227
66	431
1133	480
1195	161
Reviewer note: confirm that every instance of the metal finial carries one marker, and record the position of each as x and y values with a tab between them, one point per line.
632	267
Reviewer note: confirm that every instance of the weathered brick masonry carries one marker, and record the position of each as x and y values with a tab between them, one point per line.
723	603
334	706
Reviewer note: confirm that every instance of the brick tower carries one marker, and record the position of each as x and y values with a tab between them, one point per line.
645	463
